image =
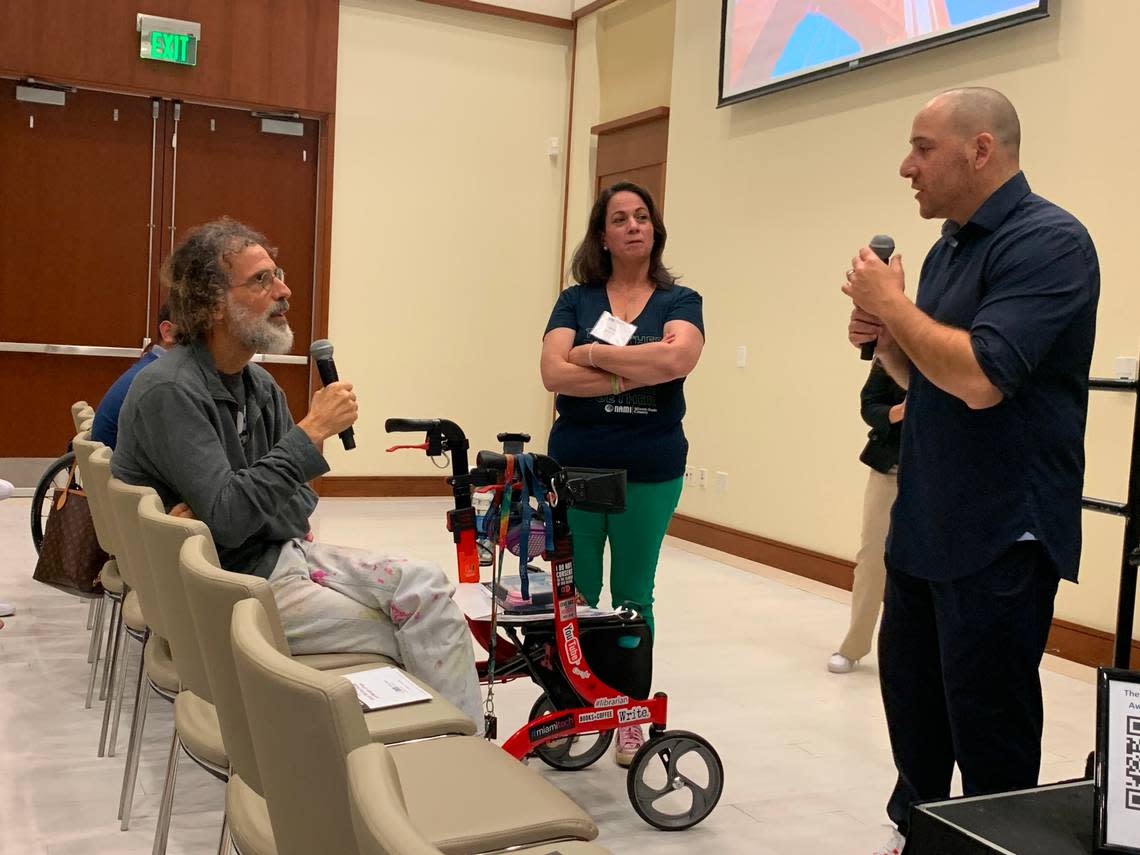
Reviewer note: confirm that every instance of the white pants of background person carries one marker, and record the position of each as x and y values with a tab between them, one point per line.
336	599
870	568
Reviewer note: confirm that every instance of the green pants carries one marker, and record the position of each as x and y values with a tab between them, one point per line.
635	537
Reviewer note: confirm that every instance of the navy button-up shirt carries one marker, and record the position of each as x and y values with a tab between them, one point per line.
1022	276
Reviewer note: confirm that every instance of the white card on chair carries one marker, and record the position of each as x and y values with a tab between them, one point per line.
380	688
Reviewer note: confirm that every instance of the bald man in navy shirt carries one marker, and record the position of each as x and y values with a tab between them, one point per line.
994	353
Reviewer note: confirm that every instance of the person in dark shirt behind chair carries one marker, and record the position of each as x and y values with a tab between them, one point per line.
994	353
882	405
105	426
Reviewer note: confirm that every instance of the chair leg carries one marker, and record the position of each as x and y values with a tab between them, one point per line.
112	642
134	748
94	617
224	841
96	645
162	831
91	614
114	669
120	690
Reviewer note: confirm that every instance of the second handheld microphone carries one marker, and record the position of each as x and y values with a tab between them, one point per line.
883	246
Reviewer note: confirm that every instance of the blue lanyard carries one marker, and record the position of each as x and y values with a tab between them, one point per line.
531	484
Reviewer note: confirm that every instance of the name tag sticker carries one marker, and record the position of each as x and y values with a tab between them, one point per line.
613	330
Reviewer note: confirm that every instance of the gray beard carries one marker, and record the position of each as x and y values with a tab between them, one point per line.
260	334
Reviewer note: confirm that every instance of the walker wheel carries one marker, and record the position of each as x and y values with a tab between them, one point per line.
675	780
573	752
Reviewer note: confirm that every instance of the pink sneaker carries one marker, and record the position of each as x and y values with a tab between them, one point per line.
629	740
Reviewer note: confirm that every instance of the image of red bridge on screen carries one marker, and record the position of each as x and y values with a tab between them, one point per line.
769	40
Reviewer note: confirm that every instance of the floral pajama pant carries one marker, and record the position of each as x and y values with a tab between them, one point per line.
336	599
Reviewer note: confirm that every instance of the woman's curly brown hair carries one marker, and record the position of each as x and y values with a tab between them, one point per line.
197	273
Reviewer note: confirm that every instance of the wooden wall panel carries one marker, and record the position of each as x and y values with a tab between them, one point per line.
227	167
652	178
38	389
74	208
273	53
634	148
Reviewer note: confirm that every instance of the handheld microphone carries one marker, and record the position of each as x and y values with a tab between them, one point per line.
322	350
883	246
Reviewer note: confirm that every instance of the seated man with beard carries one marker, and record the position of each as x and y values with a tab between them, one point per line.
212	434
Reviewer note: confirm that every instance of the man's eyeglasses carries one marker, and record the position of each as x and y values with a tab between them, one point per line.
263	281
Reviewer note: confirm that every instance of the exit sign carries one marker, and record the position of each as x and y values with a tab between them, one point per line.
171	47
168	39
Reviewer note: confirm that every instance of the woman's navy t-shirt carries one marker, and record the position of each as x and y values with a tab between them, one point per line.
640	430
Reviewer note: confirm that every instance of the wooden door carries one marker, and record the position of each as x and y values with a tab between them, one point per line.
634	148
223	164
75	194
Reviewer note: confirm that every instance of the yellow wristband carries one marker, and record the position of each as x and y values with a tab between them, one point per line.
614	383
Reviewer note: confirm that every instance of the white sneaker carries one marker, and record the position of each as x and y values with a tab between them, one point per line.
6	489
894	846
837	663
6	610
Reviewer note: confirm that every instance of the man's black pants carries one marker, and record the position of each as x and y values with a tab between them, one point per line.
958	668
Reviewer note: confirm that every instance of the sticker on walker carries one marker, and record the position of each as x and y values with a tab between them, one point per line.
549	728
596	715
619	701
573	648
613	330
633	715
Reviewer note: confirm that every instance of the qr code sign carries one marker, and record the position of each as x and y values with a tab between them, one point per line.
1132	762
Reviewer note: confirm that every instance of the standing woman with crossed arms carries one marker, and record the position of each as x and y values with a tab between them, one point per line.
620	405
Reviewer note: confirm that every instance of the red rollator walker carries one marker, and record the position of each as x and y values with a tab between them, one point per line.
676	778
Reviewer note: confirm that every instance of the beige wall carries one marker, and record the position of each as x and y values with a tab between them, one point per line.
623	65
635	56
583	144
446	220
770	198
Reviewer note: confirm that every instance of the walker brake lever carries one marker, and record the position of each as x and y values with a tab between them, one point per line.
423	446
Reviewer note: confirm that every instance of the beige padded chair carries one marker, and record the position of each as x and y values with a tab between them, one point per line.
380	813
82	419
130	622
95	603
140	609
113	587
463	793
81	411
82	416
212	594
196	727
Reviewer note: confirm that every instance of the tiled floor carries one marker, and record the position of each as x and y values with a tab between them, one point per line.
741	651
